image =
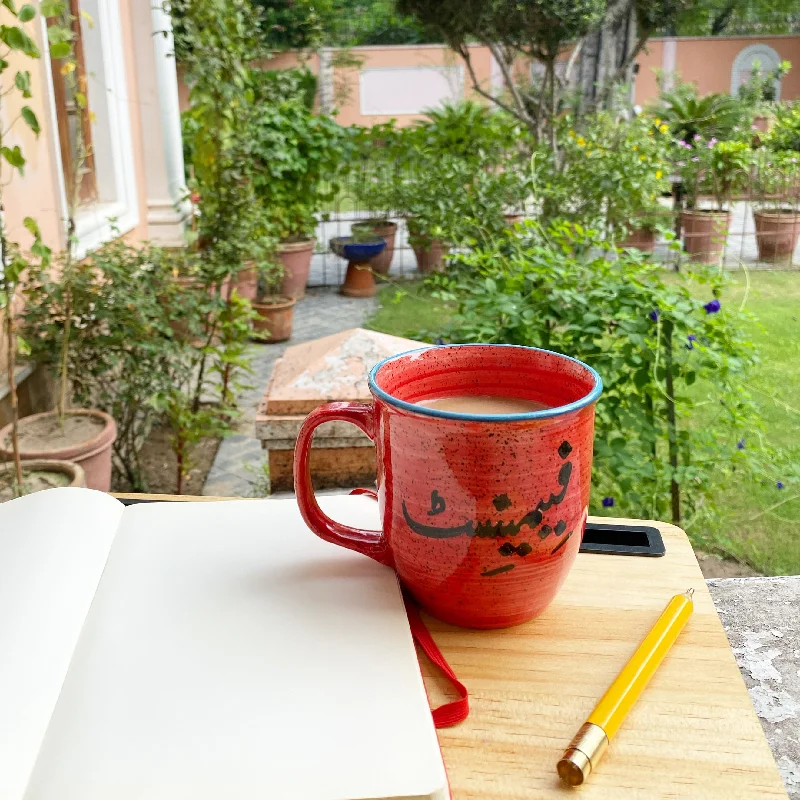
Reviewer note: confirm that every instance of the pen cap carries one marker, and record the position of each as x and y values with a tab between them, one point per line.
583	754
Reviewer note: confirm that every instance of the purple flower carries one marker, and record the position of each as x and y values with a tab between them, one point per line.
682	143
608	502
711	143
754	127
439	341
691	339
696	158
654	315
740	444
697	137
712	306
779	484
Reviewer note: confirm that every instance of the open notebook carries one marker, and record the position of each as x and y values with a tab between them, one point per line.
200	651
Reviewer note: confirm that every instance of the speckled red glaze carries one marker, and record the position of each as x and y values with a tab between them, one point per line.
482	517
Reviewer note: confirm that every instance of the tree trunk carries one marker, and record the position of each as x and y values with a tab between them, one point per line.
604	52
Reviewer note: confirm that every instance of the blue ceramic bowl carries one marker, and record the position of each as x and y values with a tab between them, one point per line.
347	247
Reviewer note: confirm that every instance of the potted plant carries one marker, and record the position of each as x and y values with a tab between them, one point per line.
83	436
296	157
384	228
710	169
274	310
775	209
758	93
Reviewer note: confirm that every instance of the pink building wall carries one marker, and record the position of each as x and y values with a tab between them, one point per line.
705	61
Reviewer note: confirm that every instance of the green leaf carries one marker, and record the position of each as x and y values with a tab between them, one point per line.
9	4
60	50
30	119
27	13
22	80
59	33
13	156
17	39
31	225
52	8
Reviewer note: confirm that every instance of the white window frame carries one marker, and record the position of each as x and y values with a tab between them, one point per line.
117	214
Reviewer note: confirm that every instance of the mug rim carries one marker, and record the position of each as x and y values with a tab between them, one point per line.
546	413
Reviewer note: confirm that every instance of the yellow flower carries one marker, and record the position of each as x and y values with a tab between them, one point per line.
572	134
642	158
663	128
659	173
581	141
636	147
649	133
68	67
658	122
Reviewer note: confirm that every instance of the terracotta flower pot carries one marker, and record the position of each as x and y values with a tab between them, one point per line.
359	280
86	438
245	282
430	254
704	234
41	474
296	260
275	319
642	239
387	231
776	234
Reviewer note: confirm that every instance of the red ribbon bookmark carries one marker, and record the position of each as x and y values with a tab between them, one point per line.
456	711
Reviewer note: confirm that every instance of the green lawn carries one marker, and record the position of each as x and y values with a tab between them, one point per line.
760	524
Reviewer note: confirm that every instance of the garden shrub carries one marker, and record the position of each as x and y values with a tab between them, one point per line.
610	175
785	132
127	311
296	156
671	357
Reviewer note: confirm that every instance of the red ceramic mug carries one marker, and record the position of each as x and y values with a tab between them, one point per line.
482	515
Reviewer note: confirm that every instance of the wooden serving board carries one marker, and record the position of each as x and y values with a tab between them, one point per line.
693	733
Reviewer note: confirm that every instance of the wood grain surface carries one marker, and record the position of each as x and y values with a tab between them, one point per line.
693	734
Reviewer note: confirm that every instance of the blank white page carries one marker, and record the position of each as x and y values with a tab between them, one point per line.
53	547
230	653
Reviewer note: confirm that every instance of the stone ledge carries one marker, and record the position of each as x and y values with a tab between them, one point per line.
761	617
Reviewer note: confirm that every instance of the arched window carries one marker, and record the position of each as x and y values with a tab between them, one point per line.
766	56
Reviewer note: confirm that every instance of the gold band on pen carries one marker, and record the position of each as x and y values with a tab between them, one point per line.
585	750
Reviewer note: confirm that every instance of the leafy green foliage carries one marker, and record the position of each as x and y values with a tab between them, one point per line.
454	175
784	136
759	88
713	168
611	173
13	259
293	151
220	40
689	114
553	289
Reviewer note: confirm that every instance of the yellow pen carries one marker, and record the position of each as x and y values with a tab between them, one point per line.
591	742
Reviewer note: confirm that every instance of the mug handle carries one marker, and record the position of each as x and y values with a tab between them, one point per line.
369	543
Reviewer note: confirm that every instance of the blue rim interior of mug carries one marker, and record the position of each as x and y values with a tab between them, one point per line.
545	413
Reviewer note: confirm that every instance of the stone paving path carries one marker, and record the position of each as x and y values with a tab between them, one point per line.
239	458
